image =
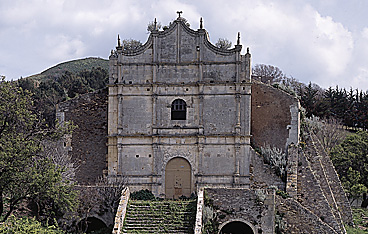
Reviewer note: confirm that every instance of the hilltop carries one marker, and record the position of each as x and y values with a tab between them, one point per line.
73	66
64	81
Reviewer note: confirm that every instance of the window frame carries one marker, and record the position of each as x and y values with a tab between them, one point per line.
178	109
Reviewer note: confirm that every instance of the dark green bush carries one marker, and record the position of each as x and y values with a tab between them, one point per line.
282	194
144	195
27	225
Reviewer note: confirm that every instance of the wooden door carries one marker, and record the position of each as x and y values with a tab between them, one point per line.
177	178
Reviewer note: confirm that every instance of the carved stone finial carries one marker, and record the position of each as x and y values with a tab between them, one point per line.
247	50
238	42
155	24
201	23
119	43
179	13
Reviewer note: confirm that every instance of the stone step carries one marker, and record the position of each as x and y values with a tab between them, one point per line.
182	213
160	217
140	203
157	206
149	224
153	225
159	211
156	229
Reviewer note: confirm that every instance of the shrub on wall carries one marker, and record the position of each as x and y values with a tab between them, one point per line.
276	158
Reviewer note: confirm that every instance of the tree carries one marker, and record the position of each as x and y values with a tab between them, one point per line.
153	26
309	100
131	44
351	163
223	43
25	175
329	132
267	73
57	88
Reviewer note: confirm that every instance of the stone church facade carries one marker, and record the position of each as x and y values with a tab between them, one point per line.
179	113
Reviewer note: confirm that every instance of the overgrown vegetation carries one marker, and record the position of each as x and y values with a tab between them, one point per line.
60	84
27	225
329	132
176	214
144	195
131	44
209	219
360	221
350	160
280	223
28	177
223	43
276	158
282	194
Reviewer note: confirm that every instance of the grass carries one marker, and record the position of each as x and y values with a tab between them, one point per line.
361	222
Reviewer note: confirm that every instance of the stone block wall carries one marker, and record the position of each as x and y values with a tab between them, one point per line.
310	193
296	219
88	145
318	167
332	177
263	175
274	117
255	208
316	186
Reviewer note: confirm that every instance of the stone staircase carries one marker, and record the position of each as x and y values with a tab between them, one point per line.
160	216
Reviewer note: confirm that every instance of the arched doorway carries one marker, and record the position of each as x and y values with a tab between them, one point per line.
178	178
92	224
236	227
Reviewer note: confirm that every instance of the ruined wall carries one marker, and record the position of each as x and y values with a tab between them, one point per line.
274	117
88	146
263	175
310	194
333	179
313	182
255	208
297	219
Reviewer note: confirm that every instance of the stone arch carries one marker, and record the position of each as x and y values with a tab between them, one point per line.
90	224
237	226
178	178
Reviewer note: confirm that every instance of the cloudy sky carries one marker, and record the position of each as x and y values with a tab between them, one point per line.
322	41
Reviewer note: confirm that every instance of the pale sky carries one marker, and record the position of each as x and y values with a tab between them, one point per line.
322	41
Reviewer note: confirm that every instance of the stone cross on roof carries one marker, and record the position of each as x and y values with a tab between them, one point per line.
179	13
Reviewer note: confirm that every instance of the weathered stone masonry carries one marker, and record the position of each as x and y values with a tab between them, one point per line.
88	113
214	138
275	117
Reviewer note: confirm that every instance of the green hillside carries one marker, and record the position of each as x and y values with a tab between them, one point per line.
73	66
64	81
